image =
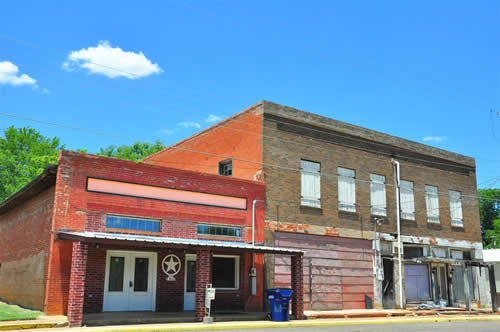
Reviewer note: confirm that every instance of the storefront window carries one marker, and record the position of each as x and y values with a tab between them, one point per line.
225	272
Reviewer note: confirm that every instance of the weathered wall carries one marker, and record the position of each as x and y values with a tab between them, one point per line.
79	209
286	148
341	270
236	137
24	248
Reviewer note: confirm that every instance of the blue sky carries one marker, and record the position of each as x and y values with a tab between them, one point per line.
419	70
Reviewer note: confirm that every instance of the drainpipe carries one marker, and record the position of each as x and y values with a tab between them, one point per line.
253	220
253	270
397	180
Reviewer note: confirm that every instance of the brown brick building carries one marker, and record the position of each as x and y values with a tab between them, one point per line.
326	183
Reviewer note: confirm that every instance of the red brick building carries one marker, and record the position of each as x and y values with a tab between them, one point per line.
96	234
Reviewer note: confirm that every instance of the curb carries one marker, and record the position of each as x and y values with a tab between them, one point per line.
303	323
25	326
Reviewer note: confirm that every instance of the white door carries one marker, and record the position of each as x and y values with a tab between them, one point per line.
130	282
190	282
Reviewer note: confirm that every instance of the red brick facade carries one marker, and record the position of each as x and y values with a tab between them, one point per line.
73	277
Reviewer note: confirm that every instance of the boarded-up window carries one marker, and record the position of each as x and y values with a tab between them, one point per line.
457	219
310	183
407	200
432	204
347	190
377	195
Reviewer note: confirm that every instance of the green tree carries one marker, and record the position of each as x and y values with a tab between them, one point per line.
24	153
493	235
135	152
489	209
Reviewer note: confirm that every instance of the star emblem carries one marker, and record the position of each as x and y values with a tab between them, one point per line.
171	265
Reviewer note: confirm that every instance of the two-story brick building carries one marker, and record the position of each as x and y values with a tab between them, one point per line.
96	234
328	183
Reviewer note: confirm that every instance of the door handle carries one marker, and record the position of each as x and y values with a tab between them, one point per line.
130	284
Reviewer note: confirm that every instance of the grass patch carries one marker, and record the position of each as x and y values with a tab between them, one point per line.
14	312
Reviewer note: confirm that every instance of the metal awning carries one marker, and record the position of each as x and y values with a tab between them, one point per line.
160	241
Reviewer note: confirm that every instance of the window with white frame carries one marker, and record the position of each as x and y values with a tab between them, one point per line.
432	204
377	195
226	272
347	189
407	200
457	218
310	184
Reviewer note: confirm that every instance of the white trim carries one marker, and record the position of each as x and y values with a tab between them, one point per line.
154	258
236	271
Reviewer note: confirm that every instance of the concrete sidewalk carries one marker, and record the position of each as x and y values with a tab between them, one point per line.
374	313
268	324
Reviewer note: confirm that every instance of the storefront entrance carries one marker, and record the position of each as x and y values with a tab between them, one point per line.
130	281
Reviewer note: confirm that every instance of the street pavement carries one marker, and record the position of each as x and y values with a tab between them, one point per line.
478	326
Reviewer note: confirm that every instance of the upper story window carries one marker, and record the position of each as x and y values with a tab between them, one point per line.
135	224
226	167
310	184
407	200
432	204
457	218
377	195
217	230
347	189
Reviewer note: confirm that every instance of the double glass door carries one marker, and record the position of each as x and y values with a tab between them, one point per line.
130	281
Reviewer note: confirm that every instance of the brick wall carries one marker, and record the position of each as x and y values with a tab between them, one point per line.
237	137
77	209
24	248
283	188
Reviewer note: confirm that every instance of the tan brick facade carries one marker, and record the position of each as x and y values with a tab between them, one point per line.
283	188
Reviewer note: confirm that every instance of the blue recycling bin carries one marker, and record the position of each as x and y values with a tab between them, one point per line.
279	301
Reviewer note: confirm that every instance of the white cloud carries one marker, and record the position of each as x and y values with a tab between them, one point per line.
435	139
167	131
9	74
213	118
189	124
111	61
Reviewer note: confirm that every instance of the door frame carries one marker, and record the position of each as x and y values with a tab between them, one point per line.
154	257
191	257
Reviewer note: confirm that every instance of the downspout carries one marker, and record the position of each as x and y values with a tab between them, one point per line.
397	180
253	270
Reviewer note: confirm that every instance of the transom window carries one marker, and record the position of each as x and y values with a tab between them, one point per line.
219	230
136	224
226	167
